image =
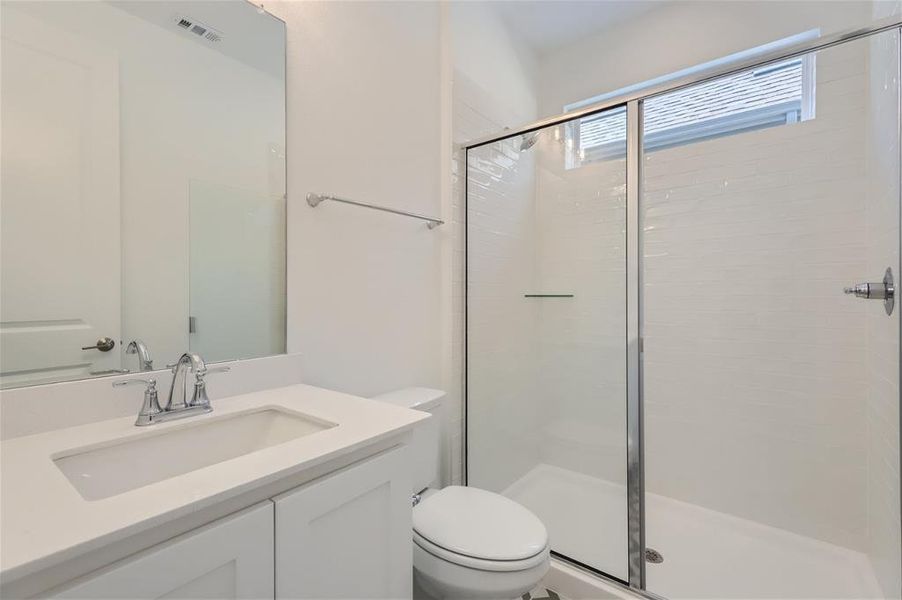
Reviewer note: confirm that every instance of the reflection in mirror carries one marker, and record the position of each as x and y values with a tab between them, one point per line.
143	186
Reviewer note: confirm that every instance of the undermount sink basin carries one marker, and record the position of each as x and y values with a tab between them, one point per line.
109	470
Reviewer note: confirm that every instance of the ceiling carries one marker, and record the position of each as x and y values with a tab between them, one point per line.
547	25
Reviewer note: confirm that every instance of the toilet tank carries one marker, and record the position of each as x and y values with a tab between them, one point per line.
425	447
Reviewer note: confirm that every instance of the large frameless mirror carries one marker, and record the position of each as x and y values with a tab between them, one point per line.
143	186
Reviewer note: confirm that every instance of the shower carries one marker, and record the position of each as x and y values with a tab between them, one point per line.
737	444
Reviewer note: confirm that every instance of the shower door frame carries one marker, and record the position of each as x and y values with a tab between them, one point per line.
634	104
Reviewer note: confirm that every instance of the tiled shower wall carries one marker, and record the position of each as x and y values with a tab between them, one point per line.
580	250
755	362
882	349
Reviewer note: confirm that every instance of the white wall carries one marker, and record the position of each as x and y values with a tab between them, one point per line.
485	52
364	122
677	35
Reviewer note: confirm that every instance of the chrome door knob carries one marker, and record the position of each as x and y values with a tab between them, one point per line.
104	344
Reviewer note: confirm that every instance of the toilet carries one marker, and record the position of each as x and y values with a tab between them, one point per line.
467	542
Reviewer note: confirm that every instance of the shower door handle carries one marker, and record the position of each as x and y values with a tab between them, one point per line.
869	291
885	290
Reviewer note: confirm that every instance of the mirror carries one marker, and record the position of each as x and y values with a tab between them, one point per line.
143	186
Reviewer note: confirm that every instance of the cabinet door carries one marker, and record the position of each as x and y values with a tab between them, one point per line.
229	558
348	535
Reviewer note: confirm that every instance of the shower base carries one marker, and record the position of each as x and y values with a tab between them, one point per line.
706	554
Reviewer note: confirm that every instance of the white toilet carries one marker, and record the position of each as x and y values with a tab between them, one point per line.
467	542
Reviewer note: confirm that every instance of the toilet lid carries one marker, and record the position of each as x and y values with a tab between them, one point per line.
480	524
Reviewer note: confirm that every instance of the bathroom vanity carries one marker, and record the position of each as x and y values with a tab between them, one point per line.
280	493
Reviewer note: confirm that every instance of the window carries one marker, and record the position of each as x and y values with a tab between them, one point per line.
776	94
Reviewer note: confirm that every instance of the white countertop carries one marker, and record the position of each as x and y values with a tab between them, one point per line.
44	520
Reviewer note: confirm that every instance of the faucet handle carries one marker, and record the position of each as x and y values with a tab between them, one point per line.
151	406
199	397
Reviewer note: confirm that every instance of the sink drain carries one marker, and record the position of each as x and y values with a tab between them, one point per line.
653	556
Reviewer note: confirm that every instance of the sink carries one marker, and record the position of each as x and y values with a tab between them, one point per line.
105	471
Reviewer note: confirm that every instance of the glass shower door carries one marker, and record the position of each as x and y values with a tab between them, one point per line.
771	398
546	331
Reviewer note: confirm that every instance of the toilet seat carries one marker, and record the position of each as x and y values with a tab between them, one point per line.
471	562
479	529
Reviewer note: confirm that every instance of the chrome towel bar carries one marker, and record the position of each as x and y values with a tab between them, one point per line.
314	200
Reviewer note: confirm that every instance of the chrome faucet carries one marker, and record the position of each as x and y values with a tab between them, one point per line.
176	406
177	392
145	362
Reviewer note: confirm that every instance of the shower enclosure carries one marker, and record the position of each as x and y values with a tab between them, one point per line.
661	361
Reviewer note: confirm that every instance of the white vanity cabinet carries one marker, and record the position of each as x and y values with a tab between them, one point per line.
228	558
347	535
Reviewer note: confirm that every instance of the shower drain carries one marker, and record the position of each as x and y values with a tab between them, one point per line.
653	556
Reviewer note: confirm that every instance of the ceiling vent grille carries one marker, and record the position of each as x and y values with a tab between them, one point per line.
198	29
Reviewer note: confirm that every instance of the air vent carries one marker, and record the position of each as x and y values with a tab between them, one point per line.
199	29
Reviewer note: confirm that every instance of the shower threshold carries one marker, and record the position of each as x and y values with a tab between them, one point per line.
706	554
